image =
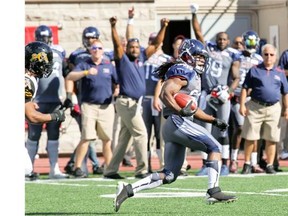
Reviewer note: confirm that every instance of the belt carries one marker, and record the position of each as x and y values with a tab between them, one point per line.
127	97
262	103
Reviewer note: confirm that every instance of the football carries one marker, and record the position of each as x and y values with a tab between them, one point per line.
183	99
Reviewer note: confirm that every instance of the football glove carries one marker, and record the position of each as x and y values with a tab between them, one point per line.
187	111
222	93
58	115
68	102
194	8
221	124
75	111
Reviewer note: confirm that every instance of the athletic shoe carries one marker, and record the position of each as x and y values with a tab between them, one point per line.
270	169
123	192
233	167
58	176
126	163
214	195
78	173
114	176
284	155
97	170
69	168
246	169
183	173
202	172
224	170
257	169
32	176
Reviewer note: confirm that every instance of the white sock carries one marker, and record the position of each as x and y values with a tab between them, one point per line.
254	158
28	163
204	155
151	181
234	154
225	151
213	176
32	148
52	150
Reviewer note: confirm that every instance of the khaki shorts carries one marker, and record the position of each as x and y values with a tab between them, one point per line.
264	119
97	120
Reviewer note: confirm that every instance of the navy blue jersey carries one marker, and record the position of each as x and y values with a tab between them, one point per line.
149	66
219	66
267	85
186	72
131	76
79	55
283	61
97	89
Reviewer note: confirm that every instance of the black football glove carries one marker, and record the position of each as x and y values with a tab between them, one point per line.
75	111
68	102
58	115
221	124
187	111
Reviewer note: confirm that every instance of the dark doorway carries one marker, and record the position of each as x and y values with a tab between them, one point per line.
175	27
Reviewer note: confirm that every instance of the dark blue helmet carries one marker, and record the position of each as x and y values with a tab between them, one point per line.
251	41
38	59
89	32
191	51
43	33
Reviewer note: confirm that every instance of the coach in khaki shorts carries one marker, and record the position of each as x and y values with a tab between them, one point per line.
262	113
99	83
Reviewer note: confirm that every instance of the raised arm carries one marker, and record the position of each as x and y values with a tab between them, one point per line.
118	48
152	48
195	24
130	23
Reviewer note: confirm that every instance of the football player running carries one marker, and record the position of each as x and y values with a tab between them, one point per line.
38	64
179	131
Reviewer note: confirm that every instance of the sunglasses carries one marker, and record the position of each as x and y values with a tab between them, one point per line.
96	48
133	40
270	54
238	42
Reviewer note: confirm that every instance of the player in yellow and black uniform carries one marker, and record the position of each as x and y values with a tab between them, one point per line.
38	64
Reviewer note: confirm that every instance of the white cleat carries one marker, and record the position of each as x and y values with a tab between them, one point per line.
58	176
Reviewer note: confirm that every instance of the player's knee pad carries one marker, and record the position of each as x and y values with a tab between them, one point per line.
213	164
169	177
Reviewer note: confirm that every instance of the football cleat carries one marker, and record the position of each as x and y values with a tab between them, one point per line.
123	192
214	195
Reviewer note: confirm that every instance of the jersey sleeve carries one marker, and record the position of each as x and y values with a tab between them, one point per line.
179	70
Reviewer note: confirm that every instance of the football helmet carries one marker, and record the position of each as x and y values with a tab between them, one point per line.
193	53
43	33
251	41
39	59
89	32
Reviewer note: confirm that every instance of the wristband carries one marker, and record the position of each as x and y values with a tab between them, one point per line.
86	72
130	21
69	95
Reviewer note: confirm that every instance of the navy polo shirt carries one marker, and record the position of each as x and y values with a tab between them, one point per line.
132	76
97	89
267	85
